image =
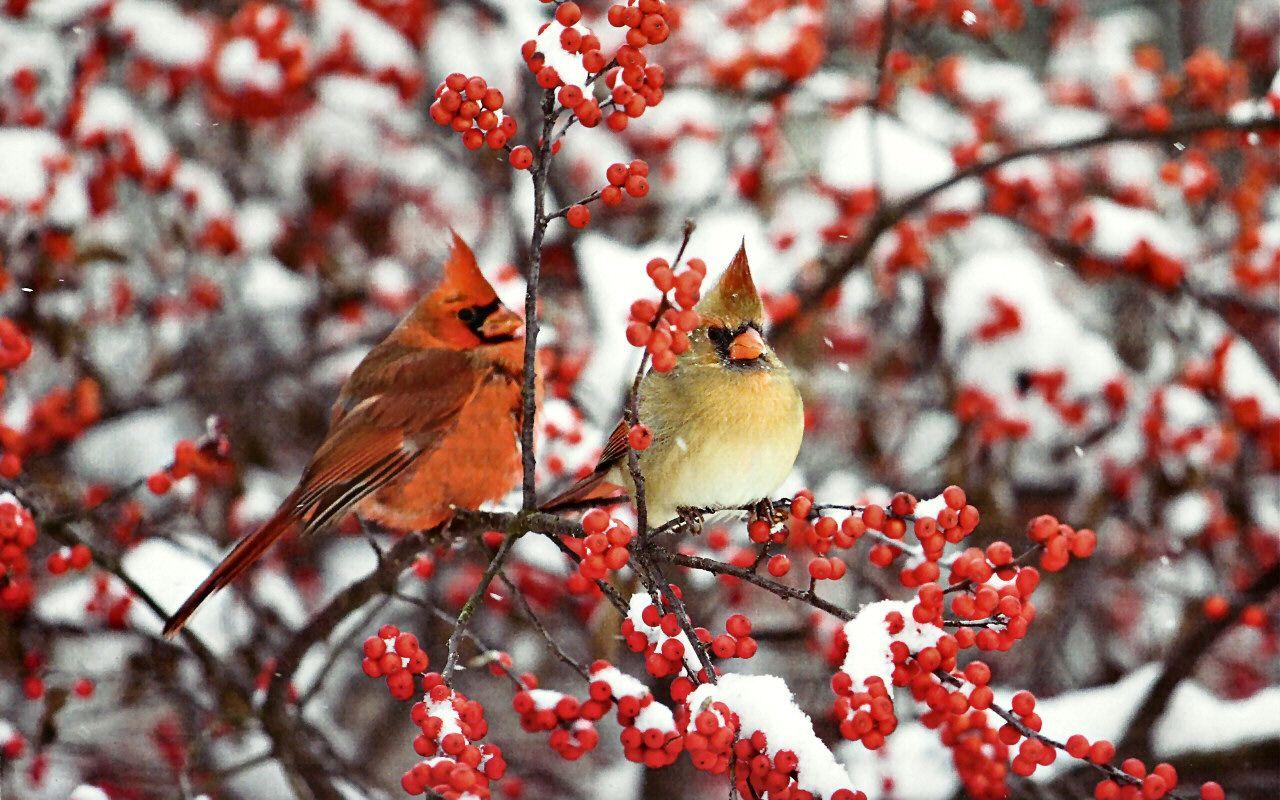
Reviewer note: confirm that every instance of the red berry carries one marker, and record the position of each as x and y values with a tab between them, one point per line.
820	569
578	215
159	482
637	186
1023	703
521	157
640	437
1102	751
568	14
779	565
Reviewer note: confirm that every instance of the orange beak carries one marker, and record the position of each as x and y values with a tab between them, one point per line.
746	346
503	322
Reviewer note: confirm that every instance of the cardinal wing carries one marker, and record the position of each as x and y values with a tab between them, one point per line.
399	404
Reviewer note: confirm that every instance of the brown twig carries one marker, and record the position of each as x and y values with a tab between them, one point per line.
541	165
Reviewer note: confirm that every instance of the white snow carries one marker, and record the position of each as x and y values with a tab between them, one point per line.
657	716
377	45
1050	336
1018	95
907	161
1187	514
268	287
567	65
1117	229
240	66
620	683
120	450
765	703
911	765
24	178
161	32
169	574
1244	375
869	639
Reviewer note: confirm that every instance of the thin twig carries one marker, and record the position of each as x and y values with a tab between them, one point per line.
473	603
541	165
529	614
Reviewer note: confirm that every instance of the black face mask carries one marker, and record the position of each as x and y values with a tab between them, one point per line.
474	318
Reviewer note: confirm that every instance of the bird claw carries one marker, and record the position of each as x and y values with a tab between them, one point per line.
692	518
767	511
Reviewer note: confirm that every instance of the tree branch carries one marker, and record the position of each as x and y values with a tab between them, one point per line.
835	270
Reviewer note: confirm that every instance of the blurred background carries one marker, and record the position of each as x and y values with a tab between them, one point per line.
1030	248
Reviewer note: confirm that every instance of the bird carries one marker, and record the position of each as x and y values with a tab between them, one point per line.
727	421
428	421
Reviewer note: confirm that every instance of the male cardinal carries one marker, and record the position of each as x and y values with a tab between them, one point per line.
428	421
727	420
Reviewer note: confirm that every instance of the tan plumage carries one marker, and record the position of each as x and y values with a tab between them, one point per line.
727	421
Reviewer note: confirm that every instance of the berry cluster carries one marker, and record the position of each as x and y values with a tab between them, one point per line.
736	641
77	557
473	109
208	460
395	656
632	178
15	347
661	328
17	536
980	410
570	722
716	743
656	634
259	40
648	729
576	41
864	715
605	543
635	84
454	766
110	601
60	416
1061	542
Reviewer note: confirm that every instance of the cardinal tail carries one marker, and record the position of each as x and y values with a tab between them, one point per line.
242	556
592	487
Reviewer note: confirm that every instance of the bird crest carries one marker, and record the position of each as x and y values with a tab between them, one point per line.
734	297
462	275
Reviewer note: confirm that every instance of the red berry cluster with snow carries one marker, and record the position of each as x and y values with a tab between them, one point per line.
1028	247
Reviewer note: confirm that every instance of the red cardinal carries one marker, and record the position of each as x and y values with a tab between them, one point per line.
429	420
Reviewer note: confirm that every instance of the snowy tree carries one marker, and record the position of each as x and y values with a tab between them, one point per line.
1023	257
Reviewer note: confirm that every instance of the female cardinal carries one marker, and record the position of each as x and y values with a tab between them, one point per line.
727	420
428	421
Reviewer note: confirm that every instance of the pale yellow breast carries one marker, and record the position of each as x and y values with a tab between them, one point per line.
721	438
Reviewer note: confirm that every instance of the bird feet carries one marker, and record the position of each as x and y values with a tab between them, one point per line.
767	511
692	518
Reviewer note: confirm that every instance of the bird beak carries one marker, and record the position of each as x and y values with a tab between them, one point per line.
746	346
502	323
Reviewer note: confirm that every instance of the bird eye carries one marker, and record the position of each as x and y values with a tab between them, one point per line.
718	335
467	315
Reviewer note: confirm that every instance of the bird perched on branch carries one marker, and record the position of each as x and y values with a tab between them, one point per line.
727	421
428	421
